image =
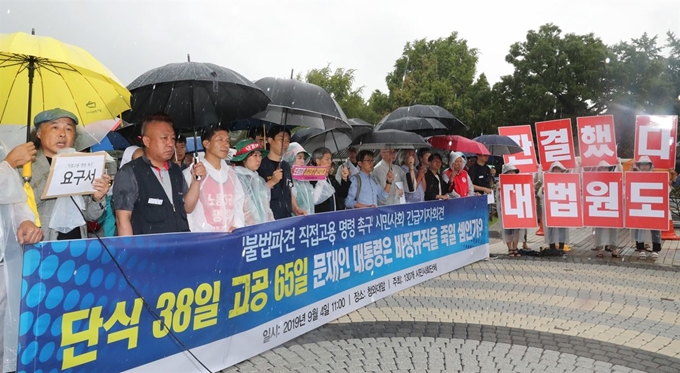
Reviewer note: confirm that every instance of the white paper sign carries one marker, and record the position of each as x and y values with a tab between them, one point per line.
72	174
400	185
490	198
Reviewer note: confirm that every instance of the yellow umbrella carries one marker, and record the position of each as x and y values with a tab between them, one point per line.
40	73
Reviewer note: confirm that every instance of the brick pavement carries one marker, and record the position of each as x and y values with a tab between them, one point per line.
505	315
581	241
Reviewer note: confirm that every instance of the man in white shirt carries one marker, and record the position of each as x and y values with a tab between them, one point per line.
380	176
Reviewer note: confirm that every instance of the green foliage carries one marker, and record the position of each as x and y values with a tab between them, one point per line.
434	72
339	84
555	76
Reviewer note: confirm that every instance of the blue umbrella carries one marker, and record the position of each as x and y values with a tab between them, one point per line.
112	141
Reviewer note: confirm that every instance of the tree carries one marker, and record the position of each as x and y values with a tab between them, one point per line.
641	80
555	76
339	84
433	72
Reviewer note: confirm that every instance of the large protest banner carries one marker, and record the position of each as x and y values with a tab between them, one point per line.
229	297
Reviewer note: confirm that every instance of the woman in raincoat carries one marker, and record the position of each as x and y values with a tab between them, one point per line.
641	236
215	203
457	178
246	161
511	236
302	189
606	236
329	194
556	237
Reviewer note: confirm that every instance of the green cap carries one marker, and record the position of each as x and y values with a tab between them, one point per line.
53	114
245	147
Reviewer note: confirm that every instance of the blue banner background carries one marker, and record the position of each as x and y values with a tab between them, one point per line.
66	276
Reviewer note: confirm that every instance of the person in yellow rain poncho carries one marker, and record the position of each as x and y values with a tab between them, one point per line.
55	132
15	216
215	203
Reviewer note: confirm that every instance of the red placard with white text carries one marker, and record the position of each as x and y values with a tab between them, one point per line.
655	137
647	200
603	199
562	200
518	201
526	160
597	140
555	143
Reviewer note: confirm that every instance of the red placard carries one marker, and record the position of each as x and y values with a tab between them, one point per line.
518	201
555	143
655	137
562	200
603	199
647	200
597	140
526	160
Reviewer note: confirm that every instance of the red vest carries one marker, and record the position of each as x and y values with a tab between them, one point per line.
459	183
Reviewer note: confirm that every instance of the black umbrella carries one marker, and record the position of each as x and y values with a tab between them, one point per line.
195	95
315	138
391	139
427	111
298	103
360	127
422	126
499	145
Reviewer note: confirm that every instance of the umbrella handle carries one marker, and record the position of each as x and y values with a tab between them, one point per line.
198	177
27	171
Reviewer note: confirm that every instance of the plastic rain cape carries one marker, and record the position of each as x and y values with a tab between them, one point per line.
257	197
13	210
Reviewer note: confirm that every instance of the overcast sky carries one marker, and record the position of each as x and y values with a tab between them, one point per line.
269	38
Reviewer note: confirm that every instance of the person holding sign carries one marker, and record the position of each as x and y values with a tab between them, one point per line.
302	189
215	202
148	196
556	237
641	236
247	161
55	132
329	194
363	190
512	236
606	237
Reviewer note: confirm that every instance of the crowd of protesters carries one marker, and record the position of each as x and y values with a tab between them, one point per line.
160	188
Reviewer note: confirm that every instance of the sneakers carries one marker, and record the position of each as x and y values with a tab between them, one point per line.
642	255
655	255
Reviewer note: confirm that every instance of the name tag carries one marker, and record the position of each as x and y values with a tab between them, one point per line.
155	201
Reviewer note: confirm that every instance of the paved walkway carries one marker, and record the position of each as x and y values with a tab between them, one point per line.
581	242
573	314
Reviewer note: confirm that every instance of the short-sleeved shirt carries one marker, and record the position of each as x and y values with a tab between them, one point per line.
126	190
281	202
480	175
